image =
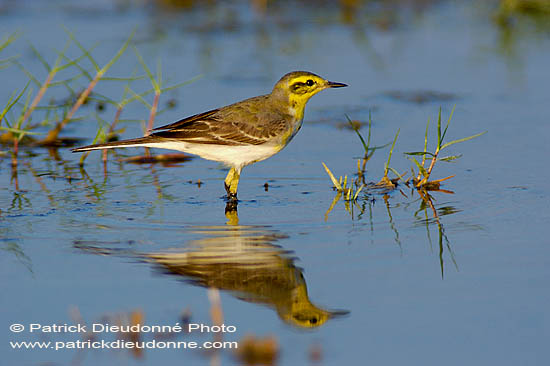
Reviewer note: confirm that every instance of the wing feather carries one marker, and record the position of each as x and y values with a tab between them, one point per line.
244	123
182	123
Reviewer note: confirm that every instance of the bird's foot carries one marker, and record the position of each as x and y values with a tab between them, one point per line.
231	206
231	196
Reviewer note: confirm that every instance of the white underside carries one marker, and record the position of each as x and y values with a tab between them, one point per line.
234	156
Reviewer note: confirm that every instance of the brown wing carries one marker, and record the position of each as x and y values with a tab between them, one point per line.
187	121
244	123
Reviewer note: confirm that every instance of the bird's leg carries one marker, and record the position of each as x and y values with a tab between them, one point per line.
228	179
232	182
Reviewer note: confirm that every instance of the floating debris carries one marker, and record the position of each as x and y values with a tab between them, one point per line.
171	103
258	351
315	353
351	125
167	159
421	96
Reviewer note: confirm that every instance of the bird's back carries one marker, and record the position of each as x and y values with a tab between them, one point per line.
253	121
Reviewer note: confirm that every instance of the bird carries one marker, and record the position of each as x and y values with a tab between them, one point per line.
239	134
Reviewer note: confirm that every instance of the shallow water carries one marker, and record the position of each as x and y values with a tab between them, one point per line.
387	283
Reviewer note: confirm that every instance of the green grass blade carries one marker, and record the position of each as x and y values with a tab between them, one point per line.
420	167
77	65
357	192
380	146
396	173
373	149
448	122
130	78
40	58
136	96
19	131
159	73
61	55
426	141
28	73
370	124
118	54
11	102
8	40
97	97
70	90
5	63
463	139
98	138
450	158
125	92
386	166
24	109
154	82
8	106
140	98
365	146
439	130
51	107
419	153
66	81
69	62
130	120
179	85
101	122
82	48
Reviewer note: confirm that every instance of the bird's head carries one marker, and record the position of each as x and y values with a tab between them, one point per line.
296	87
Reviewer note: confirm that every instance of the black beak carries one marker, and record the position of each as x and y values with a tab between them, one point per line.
336	85
338	313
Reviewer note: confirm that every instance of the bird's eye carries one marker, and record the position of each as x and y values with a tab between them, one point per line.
310	82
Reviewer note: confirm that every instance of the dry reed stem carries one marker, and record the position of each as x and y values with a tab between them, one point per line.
153	113
54	133
14	177
15	151
39	96
216	311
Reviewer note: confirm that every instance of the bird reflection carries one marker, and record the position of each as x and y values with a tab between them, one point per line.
245	261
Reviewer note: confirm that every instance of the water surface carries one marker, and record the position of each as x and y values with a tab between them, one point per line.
390	282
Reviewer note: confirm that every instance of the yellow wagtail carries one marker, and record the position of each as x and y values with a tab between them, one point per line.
238	134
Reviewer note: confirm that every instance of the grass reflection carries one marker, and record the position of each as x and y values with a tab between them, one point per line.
10	246
443	240
357	209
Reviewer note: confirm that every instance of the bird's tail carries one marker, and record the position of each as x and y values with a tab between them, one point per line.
141	141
